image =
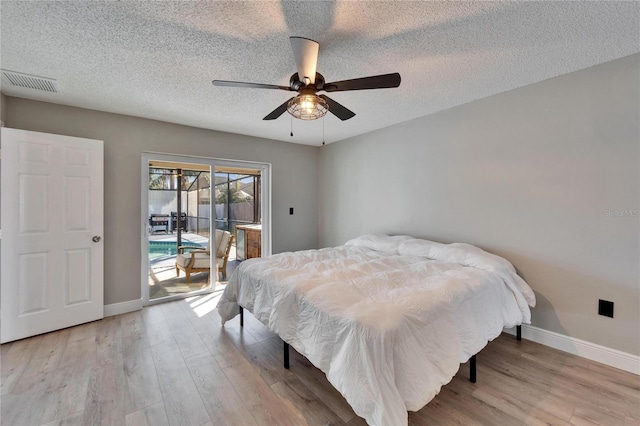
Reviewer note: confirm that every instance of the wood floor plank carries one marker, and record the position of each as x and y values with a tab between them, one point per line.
440	412
614	375
314	411
82	351
207	326
104	403
51	348
216	338
133	329
109	341
175	364
156	327
140	374
187	339
267	407
309	376
631	422
508	403
24	408
68	392
271	368
5	348
258	330
224	405
230	356
179	393
459	395
154	415
74	419
15	361
357	421
83	331
521	394
59	391
237	334
202	307
587	413
316	381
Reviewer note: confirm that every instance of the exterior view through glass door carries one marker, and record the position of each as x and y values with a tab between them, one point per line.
238	211
179	224
200	218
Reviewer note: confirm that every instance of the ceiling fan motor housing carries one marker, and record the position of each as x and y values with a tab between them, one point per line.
296	84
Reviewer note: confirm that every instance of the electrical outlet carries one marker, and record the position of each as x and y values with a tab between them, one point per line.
605	308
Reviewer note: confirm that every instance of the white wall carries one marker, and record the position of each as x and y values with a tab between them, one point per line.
164	202
294	177
546	176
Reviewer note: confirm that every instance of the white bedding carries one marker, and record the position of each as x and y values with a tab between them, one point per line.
387	319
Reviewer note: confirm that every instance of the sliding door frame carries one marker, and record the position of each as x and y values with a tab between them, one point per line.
265	206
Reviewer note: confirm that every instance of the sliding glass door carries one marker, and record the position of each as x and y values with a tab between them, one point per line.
179	229
200	218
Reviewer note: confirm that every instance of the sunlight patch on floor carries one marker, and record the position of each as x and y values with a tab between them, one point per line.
204	304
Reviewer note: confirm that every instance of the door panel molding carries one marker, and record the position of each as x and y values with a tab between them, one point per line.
52	204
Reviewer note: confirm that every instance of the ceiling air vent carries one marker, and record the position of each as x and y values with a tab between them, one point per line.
31	81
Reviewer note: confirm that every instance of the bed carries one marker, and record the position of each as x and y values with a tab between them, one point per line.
388	319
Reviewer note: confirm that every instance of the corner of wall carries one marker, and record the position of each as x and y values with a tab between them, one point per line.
2	110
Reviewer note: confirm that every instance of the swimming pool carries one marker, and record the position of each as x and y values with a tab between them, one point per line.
167	248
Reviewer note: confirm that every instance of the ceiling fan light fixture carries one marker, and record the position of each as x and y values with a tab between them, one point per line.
307	81
307	107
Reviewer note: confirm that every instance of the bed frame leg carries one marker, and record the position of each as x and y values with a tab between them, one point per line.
241	316
472	369
286	355
519	332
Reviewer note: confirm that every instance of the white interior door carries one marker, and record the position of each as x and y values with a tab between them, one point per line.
52	224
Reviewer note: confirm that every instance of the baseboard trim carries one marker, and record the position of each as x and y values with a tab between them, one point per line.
122	307
602	354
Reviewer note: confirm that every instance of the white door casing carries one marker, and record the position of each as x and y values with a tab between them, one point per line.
52	211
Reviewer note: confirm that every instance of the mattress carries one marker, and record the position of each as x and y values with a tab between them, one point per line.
389	320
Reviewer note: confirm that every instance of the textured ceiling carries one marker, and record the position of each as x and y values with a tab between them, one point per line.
157	59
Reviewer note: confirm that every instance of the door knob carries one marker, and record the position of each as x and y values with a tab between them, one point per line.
96	238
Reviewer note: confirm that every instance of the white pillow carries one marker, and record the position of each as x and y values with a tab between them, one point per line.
417	247
379	242
469	255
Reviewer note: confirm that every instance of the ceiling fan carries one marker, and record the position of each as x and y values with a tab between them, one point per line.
307	105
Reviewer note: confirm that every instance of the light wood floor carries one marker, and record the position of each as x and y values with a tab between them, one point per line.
173	364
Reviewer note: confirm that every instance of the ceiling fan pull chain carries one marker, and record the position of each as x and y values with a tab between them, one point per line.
291	116
323	131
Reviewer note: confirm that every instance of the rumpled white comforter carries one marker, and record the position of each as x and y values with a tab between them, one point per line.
387	319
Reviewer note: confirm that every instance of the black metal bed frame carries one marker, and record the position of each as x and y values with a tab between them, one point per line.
472	360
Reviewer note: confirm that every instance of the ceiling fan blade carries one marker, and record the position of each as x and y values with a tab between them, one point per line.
278	111
305	52
337	109
384	81
225	83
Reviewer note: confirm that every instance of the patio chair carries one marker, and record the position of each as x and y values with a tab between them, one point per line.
222	253
197	260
